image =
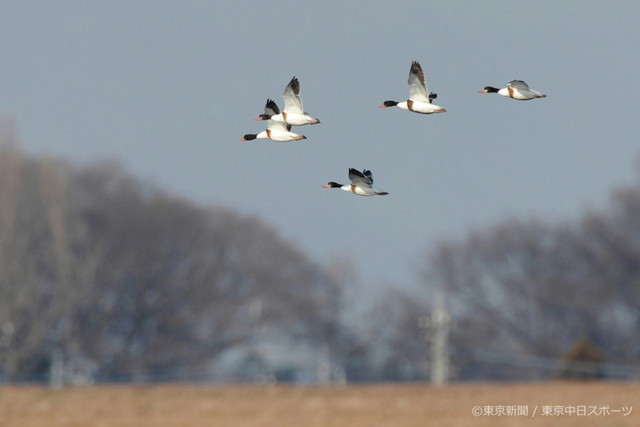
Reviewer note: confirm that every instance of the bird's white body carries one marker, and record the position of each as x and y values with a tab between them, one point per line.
361	191
276	131
295	119
516	89
420	107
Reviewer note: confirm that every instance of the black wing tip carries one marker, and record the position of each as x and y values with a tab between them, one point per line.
294	84
356	172
416	70
271	104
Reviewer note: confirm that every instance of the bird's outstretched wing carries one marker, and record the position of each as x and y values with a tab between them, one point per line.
291	96
361	179
417	86
271	108
279	126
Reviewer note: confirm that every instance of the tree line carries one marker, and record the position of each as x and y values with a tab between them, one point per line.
120	280
104	277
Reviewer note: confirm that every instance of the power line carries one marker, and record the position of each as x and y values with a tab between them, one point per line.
612	370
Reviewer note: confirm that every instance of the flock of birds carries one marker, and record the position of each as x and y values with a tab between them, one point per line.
420	101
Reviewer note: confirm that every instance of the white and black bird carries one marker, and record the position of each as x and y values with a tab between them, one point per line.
516	89
293	113
276	130
361	184
419	97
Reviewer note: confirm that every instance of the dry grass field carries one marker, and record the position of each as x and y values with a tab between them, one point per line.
353	406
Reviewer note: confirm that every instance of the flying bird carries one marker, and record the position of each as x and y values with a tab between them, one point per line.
361	184
293	113
276	131
516	89
419	97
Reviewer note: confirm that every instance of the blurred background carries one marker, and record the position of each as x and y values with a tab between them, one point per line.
140	240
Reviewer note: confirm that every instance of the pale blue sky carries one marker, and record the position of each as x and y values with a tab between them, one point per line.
168	88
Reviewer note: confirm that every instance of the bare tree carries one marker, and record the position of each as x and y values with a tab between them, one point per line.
110	275
526	289
11	297
178	284
42	268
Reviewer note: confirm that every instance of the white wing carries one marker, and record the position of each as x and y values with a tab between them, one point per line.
278	126
417	86
292	102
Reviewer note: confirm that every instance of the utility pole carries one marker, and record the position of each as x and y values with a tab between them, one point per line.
56	370
437	333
